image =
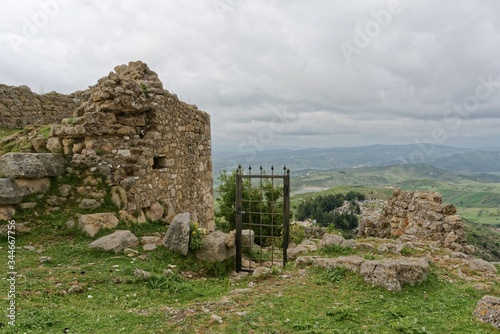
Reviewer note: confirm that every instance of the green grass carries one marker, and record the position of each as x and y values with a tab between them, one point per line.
5	132
317	301
488	216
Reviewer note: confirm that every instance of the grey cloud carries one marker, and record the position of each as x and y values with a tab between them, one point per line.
243	60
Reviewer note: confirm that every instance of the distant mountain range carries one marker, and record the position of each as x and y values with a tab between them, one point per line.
444	157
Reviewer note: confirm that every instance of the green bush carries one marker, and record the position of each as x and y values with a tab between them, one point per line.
196	236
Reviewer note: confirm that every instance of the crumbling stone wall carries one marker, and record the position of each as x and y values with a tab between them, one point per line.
154	149
20	107
418	216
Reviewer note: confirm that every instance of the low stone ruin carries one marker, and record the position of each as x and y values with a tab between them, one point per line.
418	216
153	149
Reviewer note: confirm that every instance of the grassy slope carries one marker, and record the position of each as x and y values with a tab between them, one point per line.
113	300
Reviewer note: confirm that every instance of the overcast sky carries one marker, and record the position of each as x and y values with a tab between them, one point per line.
287	73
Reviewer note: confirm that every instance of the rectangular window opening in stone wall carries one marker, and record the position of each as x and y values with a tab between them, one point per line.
159	162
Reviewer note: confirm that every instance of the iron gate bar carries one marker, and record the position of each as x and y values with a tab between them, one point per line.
251	210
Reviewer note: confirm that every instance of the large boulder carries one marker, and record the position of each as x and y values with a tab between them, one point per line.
177	236
116	241
393	274
13	191
31	165
214	248
488	310
93	223
481	265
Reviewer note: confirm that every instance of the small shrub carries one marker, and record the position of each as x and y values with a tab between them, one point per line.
174	284
335	274
144	89
196	236
337	250
407	251
219	269
297	233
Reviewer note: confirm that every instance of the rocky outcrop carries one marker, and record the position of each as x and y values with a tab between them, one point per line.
418	216
391	274
177	236
31	165
488	310
116	241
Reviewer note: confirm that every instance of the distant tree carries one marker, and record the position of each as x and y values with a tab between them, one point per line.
322	209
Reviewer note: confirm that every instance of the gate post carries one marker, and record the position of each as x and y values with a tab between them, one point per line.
238	208
286	213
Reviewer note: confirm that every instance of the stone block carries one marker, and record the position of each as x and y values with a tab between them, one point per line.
116	242
32	165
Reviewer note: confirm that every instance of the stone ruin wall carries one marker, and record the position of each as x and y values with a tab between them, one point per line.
418	216
154	149
20	107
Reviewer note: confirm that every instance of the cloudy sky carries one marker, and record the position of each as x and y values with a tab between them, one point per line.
281	73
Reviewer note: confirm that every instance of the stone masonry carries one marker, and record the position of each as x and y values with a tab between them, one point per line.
154	149
418	216
20	107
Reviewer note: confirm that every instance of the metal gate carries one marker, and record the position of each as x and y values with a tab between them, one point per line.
262	218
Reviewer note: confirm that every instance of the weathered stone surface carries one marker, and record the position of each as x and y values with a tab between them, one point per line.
119	197
150	239
7	212
214	248
230	239
352	262
20	107
247	238
65	190
418	216
89	204
54	145
177	236
116	241
333	239
155	212
149	247
304	247
481	265
393	274
261	272
93	223
488	310
314	232
31	165
142	273
13	191
33	186
389	274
